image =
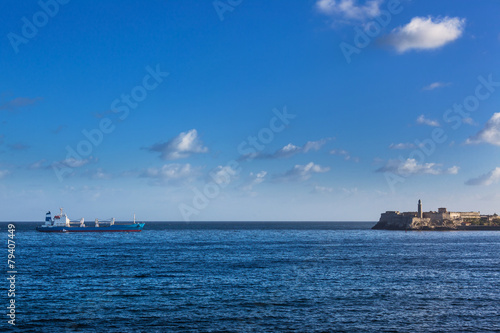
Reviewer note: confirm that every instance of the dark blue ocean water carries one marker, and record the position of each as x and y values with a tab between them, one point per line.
255	277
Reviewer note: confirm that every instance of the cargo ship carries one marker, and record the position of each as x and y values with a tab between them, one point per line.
62	223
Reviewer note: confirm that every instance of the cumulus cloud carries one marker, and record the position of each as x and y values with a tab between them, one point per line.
411	167
289	150
301	172
402	146
181	146
286	151
489	134
422	120
173	173
436	85
426	33
350	9
489	178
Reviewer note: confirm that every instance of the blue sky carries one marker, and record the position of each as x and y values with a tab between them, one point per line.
248	110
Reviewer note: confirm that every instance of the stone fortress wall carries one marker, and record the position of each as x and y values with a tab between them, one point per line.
432	219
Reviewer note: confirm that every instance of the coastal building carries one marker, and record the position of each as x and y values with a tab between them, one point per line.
441	218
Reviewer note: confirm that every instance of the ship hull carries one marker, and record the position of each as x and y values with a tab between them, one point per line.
114	228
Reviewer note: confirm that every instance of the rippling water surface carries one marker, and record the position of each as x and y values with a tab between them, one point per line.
211	277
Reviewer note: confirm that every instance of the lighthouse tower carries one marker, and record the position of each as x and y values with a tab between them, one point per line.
420	208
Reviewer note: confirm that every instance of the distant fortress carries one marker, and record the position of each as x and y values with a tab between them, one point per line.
440	220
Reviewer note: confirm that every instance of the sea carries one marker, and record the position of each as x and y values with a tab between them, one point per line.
253	277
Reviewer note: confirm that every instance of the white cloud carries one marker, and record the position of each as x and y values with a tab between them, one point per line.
322	189
301	172
315	145
74	162
436	85
223	174
422	120
425	33
98	173
489	134
181	146
339	152
4	173
289	150
286	151
171	173
345	154
469	121
350	191
402	146
37	165
350	9
453	170
489	178
411	167
253	179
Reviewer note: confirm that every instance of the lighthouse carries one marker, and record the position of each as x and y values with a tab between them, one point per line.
419	208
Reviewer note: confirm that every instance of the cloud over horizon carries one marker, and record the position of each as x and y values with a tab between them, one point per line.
98	173
490	132
289	150
486	179
173	173
252	180
411	167
301	172
322	189
426	33
183	145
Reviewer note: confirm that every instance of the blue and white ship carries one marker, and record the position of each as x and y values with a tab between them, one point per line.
62	223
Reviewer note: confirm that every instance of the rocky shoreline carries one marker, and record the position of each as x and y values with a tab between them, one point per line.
384	226
440	220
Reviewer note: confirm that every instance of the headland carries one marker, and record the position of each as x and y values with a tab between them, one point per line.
440	220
